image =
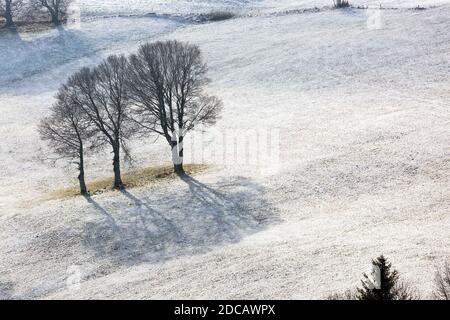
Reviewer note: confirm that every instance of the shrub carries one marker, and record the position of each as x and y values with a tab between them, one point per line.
341	4
220	15
442	283
347	295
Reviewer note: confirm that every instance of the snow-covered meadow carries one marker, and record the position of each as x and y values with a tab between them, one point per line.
356	104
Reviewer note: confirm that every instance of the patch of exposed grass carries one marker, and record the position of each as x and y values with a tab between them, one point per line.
131	179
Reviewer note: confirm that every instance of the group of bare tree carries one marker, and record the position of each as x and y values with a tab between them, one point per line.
29	10
159	90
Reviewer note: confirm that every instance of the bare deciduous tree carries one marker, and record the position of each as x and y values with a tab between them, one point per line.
9	9
67	132
101	94
166	82
56	8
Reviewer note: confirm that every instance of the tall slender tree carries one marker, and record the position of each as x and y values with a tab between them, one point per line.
68	132
102	95
166	83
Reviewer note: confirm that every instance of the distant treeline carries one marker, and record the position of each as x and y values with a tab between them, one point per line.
32	11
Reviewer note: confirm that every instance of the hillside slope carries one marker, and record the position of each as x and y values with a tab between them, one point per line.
363	122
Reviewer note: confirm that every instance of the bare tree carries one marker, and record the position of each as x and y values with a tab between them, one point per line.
102	95
56	8
166	84
67	132
9	9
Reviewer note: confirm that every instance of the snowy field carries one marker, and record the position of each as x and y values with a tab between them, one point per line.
359	113
115	7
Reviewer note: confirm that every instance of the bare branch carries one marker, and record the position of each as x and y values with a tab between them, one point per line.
166	81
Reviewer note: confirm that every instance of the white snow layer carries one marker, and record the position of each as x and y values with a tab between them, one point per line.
113	7
363	121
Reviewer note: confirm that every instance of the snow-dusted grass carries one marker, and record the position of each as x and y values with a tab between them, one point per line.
31	53
364	133
114	7
132	179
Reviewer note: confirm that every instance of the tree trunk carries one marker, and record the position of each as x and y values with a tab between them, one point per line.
178	154
118	184
8	15
54	14
179	168
83	188
55	18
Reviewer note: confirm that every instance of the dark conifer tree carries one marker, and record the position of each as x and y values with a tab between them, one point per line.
387	278
386	285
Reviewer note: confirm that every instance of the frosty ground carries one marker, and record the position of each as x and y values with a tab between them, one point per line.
364	168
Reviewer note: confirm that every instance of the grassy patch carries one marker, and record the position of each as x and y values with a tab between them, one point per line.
131	179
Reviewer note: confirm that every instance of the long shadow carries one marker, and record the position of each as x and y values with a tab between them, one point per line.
181	221
215	200
200	189
21	58
11	33
111	233
208	194
150	215
108	216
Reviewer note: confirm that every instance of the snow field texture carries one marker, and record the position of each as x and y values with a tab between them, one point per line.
360	114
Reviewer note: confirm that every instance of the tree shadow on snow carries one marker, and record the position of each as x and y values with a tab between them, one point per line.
21	58
10	34
189	221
